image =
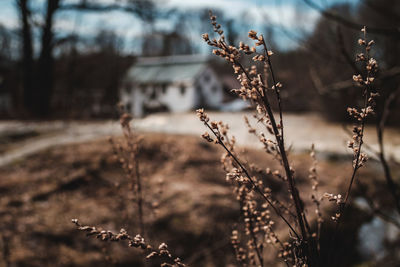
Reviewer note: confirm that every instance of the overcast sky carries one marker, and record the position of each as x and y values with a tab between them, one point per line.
283	13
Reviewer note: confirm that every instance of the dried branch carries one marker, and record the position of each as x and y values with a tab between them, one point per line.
138	242
392	32
129	159
254	89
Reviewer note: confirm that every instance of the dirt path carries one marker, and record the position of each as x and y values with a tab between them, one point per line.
300	131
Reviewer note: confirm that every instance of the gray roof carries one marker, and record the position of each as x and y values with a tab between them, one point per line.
167	69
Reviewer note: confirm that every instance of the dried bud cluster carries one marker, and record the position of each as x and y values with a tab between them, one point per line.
218	129
258	222
338	199
270	146
240	252
137	242
253	194
314	196
202	115
207	137
249	190
360	115
252	84
371	67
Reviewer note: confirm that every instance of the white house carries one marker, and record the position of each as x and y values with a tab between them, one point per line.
173	83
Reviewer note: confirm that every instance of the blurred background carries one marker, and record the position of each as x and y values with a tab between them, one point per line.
69	59
66	64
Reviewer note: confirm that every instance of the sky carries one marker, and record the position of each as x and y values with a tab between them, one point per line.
292	15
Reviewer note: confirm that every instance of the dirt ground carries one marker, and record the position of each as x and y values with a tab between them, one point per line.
41	193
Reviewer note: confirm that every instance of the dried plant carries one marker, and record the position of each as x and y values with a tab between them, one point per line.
127	154
255	197
381	119
315	196
255	88
128	157
137	242
360	115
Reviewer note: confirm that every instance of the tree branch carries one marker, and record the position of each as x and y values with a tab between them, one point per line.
394	32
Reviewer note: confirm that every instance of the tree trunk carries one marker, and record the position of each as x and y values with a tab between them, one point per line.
45	72
27	56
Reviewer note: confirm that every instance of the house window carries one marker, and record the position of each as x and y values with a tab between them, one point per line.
142	88
164	88
153	94
182	89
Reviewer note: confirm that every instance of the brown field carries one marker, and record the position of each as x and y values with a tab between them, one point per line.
40	195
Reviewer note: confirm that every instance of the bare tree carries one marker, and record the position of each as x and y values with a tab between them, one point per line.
27	53
38	73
